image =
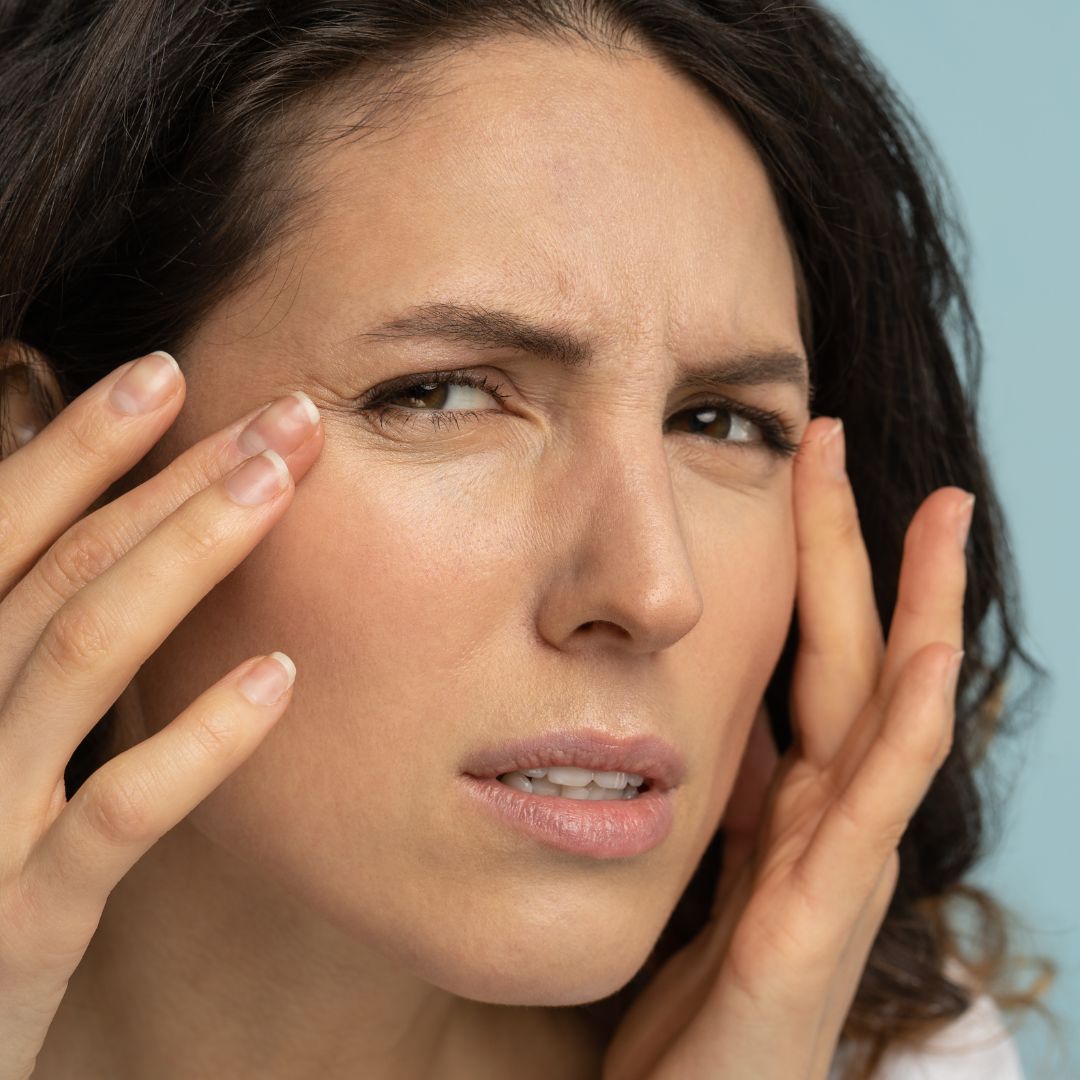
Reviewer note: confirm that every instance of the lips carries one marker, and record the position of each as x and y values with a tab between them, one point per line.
657	761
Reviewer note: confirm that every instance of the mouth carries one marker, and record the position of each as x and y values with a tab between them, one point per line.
587	792
570	782
585	764
600	828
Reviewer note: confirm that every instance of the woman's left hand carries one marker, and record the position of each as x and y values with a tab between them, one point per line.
810	860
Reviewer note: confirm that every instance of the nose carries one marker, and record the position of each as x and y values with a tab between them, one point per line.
622	573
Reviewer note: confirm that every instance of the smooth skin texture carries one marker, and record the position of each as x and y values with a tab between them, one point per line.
320	878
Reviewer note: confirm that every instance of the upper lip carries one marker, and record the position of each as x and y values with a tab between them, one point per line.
649	756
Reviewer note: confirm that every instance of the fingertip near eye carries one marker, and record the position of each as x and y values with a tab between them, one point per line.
822	447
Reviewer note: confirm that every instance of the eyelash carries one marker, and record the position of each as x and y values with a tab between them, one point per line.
776	432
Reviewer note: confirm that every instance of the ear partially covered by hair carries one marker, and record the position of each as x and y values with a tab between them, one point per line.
30	395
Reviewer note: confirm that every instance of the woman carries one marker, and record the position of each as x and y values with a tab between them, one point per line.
628	737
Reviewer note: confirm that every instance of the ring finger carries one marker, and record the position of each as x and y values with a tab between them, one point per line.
95	643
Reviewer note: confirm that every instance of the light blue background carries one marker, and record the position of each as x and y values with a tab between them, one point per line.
997	87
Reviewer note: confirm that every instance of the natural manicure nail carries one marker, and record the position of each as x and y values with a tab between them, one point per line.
282	426
259	479
145	385
268	679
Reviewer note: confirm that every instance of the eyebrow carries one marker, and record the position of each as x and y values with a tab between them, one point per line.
495	328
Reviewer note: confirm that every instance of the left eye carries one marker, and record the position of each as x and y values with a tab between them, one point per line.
725	417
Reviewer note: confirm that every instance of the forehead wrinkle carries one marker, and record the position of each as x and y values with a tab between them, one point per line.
480	327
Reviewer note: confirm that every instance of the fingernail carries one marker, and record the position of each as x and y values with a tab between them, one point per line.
832	448
282	426
963	520
145	385
952	674
268	680
259	479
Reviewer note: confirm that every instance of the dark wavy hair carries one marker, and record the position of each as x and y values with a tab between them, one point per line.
151	156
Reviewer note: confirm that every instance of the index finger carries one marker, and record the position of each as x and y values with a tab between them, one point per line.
840	639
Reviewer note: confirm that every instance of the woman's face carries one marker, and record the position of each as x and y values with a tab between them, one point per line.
564	558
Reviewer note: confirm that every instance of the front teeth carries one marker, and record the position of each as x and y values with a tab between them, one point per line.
573	783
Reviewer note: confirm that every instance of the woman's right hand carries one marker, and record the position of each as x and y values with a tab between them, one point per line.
84	601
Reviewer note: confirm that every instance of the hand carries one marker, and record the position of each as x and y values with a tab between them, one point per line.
82	606
811	838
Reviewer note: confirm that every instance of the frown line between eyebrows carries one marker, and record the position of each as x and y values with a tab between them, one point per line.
495	328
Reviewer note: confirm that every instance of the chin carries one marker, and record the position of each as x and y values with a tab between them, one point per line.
574	985
548	969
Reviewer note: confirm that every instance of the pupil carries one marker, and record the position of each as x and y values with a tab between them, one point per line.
711	415
427	389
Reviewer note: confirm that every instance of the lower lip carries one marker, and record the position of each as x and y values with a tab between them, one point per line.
604	829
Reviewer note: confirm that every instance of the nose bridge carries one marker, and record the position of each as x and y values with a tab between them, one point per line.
630	565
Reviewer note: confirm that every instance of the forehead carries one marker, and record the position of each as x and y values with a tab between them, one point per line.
609	189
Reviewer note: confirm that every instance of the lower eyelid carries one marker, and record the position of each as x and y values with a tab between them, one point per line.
443	418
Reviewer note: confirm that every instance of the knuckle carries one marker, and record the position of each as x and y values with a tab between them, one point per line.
213	734
929	756
893	834
118	806
78	557
87	440
76	638
33	932
917	746
846	525
193	540
848	813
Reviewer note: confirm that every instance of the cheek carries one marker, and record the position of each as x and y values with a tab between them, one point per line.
387	590
748	583
388	606
747	574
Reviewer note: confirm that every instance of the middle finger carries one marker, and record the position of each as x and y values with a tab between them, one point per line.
95	542
933	579
929	608
96	642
